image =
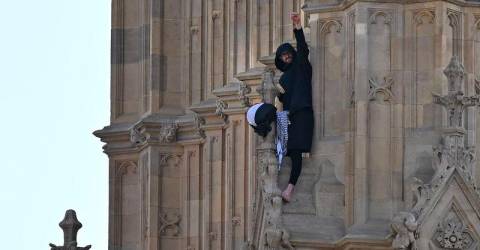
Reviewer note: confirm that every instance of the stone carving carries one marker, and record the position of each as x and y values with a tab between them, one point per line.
387	14
275	235
327	24
381	92
421	194
221	106
404	225
306	20
450	155
236	220
477	86
169	224
453	234
455	102
216	14
175	158
267	76
419	15
477	21
70	226
248	246
168	132
242	94
136	137
124	166
199	122
454	18
194	29
455	73
212	235
452	152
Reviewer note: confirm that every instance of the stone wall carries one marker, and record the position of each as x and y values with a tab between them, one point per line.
183	164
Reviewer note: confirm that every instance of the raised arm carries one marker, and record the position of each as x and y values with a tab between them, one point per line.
302	46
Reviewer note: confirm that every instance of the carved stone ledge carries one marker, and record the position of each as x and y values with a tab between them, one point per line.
150	130
118	139
232	98
209	114
190	128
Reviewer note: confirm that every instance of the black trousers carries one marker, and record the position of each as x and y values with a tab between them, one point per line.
296	156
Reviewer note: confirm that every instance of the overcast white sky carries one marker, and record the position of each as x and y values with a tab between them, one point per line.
54	92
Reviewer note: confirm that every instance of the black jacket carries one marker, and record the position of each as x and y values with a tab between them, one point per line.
297	76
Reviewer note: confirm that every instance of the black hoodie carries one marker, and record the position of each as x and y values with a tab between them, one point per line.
297	76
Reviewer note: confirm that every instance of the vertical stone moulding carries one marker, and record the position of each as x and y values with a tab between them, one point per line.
379	167
379	174
350	93
476	73
424	44
329	78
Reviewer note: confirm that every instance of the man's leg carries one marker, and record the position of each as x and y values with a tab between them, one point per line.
296	157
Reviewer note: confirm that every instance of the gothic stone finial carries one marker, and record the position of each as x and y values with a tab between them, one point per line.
455	73
70	226
455	102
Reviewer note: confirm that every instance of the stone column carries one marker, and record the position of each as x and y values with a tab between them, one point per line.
275	236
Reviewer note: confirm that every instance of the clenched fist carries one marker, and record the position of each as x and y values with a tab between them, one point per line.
296	20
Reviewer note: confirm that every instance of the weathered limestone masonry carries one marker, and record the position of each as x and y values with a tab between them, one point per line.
187	172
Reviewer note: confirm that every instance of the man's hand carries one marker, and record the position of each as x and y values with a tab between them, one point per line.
296	20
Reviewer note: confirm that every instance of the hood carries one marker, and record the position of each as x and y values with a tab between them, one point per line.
278	61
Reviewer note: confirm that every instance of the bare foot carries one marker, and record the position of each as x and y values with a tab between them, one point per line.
287	193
